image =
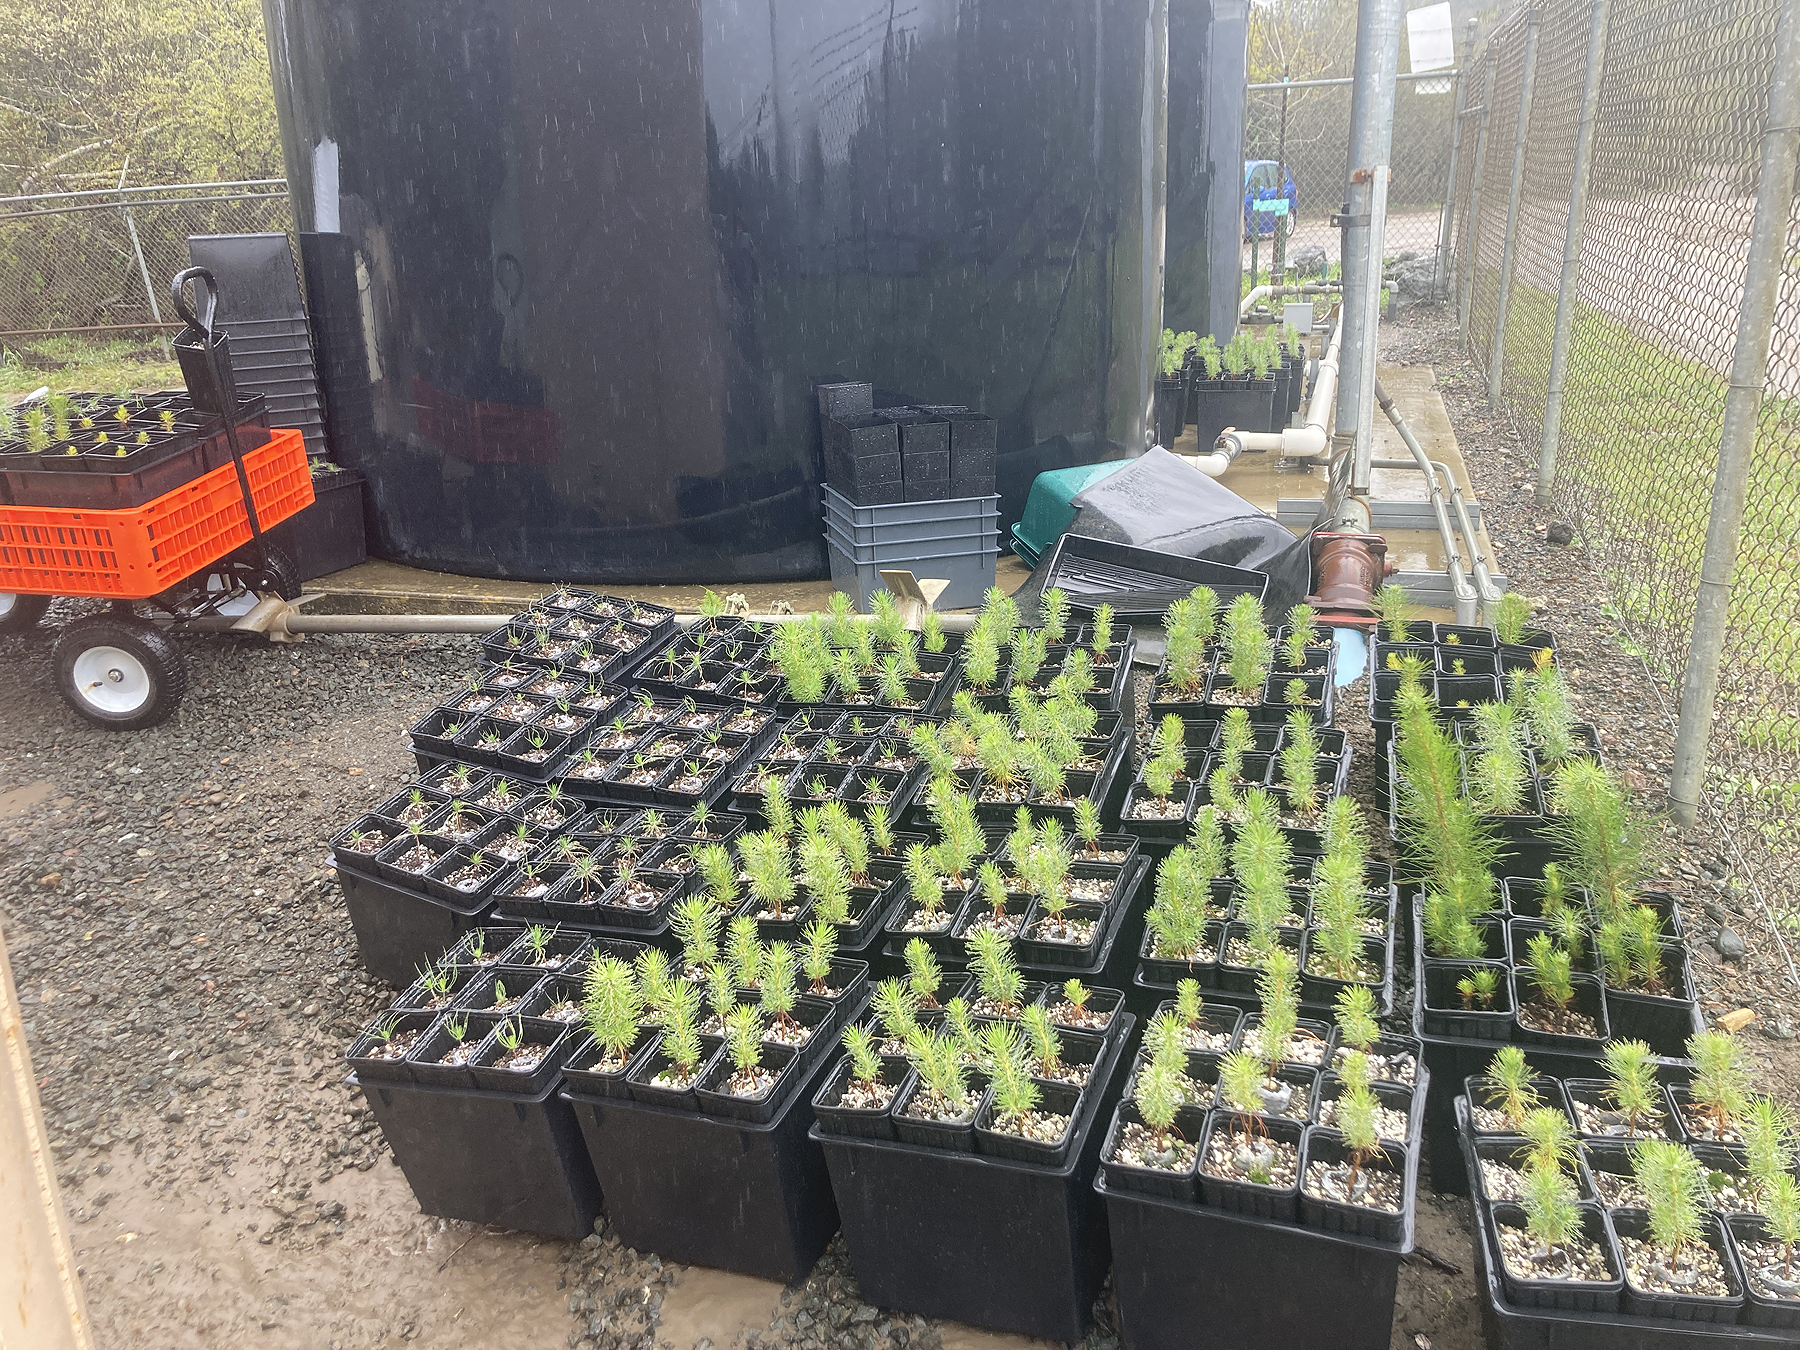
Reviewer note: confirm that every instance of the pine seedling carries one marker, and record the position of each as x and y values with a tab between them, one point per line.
1720	1085
1510	1090
1158	1097
1396	613
744	1043
1479	987
941	1066
922	881
1631	1082
745	951
1550	1140
1055	606
1767	1129
1040	1032
1499	775
1357	1118
1300	635
681	1030
1016	1096
932	631
778	991
1674	1188
990	957
1551	1216
718	874
821	941
1076	995
696	923
1188	1003
721	991
896	1008
865	1062
1249	651
1103	631
776	811
1781	1216
1240	1087
993	889
1548	969
923	974
1511	616
1207	843
1087	825
1300	764
611	1005
654	981
1354	1010
1548	711
1278	986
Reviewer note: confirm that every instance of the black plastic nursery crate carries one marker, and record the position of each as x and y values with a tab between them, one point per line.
1265	1283
514	639
398	930
503	1158
1511	1327
1009	1245
711	1191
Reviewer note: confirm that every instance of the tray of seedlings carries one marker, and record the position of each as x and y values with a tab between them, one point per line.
599	636
1282	1159
1637	1212
1195	763
693	1091
522	720
668	753
1000	655
421	868
1220	911
462	1073
838	661
1057	902
865	761
971	1112
1222	657
1546	960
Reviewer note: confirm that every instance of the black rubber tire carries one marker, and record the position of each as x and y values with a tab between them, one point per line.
160	659
276	571
22	615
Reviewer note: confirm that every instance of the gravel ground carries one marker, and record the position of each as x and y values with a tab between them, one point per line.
189	980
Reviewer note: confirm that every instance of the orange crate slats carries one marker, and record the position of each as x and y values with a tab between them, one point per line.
135	553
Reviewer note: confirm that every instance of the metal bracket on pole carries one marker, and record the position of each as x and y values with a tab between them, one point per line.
1509	246
1571	261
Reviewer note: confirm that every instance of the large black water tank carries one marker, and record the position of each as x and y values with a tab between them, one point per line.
603	250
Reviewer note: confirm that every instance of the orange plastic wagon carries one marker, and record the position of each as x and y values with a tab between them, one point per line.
187	553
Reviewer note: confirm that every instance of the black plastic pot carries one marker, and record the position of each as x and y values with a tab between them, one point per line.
1333	1216
1589	1296
327	536
1266	1283
1058	1098
1444	1014
489	1157
400	931
950	1136
1245	404
1014	1246
1760	1309
858	1122
1662	1022
1588	999
1681	1307
710	1191
1235	1195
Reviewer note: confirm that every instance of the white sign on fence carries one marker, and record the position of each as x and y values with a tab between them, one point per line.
1431	38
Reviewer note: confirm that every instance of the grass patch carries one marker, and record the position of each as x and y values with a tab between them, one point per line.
129	362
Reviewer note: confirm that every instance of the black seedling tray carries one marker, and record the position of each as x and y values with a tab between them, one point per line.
711	1191
1009	1245
399	931
1139	583
490	1157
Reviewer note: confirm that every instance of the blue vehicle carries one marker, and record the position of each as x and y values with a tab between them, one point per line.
1264	181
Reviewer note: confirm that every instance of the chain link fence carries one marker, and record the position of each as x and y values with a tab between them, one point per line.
98	261
1682	110
1312	143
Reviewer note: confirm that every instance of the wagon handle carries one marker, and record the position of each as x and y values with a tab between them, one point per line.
199	276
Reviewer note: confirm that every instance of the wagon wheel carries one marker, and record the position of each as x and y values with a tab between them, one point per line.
274	571
20	613
118	671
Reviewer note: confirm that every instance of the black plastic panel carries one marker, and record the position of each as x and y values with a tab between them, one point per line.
605	251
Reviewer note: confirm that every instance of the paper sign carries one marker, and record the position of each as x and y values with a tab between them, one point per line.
1431	39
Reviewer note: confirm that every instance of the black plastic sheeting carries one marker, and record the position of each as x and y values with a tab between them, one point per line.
601	254
1162	502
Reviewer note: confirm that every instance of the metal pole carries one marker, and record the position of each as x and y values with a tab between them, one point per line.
1371	143
1278	248
1440	276
1571	261
1473	224
137	250
1743	399
1509	246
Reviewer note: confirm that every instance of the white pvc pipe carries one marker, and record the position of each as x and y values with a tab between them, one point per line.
1258	293
1309	440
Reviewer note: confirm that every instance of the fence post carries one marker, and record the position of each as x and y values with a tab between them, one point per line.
1440	276
1571	260
1743	399
1472	224
1509	245
144	272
